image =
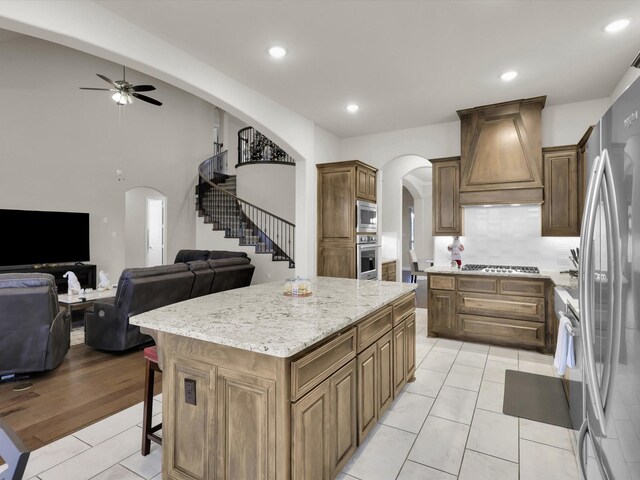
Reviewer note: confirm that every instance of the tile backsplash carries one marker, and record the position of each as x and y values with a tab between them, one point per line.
508	235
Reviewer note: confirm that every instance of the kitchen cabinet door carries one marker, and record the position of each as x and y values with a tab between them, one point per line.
367	391
337	260
343	438
399	357
310	442
385	373
410	362
446	210
365	183
561	208
442	312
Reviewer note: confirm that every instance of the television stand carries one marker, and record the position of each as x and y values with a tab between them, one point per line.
86	273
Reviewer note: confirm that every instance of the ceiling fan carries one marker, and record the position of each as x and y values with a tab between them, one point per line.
125	91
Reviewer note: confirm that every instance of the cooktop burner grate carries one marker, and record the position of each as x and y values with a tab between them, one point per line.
500	269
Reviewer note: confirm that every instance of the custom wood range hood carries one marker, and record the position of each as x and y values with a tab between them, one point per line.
501	153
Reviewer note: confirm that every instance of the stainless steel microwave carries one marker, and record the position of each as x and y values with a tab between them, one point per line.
366	217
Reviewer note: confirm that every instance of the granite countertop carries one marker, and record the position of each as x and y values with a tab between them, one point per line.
558	279
261	319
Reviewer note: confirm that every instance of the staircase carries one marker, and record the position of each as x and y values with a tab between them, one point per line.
218	204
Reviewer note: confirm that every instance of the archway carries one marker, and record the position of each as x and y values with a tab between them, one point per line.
396	174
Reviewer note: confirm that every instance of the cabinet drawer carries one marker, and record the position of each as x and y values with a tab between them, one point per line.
442	282
525	288
402	307
374	326
501	330
477	284
523	308
316	366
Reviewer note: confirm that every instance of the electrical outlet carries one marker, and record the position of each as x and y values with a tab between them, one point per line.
190	391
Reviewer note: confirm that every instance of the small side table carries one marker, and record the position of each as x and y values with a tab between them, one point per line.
83	301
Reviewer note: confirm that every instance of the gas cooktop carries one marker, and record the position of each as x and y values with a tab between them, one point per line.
500	269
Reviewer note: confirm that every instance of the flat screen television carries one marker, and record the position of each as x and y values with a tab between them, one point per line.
34	237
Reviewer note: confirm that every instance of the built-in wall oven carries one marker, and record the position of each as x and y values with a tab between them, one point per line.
366	217
367	257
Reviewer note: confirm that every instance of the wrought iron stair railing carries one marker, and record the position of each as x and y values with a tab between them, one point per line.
254	147
252	225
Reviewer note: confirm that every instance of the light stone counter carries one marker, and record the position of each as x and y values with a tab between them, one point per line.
261	319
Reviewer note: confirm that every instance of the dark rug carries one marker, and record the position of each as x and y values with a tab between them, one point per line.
536	397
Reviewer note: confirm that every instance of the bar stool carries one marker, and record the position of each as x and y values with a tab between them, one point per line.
148	431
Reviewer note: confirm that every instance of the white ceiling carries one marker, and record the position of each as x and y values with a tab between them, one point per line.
407	63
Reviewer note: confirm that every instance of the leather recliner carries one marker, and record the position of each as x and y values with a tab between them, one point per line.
34	331
107	327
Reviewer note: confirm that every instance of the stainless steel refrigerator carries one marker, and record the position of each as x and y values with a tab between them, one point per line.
609	439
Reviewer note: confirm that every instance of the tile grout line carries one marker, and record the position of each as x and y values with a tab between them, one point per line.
464	450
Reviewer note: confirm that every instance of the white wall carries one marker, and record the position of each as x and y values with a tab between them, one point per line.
135	233
508	235
271	187
60	146
266	269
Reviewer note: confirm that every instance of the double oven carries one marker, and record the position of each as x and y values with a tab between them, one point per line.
367	249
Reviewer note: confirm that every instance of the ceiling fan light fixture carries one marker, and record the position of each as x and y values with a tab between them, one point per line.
122	98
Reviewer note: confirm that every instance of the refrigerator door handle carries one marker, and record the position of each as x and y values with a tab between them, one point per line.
582	451
615	282
586	272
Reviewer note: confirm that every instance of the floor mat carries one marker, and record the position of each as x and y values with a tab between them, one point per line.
536	397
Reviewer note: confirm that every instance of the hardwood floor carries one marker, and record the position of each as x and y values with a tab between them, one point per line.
88	386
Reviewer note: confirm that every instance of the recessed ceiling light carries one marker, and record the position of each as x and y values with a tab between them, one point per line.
508	76
353	108
277	52
616	26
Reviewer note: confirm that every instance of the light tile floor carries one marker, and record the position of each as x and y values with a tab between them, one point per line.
447	424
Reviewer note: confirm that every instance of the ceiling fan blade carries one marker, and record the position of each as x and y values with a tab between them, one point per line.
107	79
103	89
143	88
144	98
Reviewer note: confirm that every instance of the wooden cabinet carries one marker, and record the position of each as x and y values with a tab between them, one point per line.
561	209
442	312
316	406
389	271
385	372
324	427
367	391
399	357
447	218
245	400
501	159
311	431
365	183
410	334
340	185
343	419
337	260
510	311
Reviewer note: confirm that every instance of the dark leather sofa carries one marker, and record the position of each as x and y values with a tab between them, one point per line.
34	332
142	289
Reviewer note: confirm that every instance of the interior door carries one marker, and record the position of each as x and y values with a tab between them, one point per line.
154	254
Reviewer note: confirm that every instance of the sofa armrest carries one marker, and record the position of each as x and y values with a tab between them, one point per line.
105	328
59	336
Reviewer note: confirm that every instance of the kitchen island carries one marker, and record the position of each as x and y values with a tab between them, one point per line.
283	387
